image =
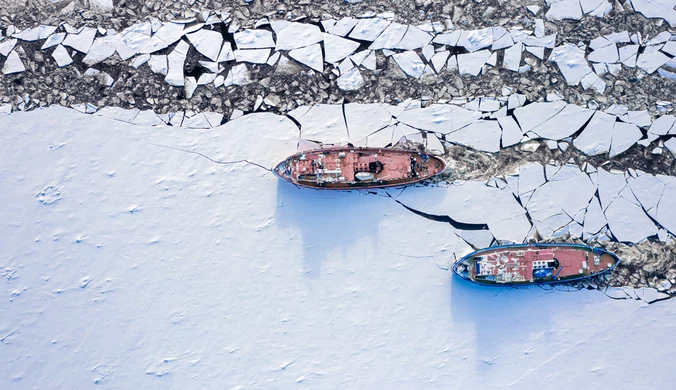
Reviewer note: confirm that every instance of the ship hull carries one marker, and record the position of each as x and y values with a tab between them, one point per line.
358	168
525	264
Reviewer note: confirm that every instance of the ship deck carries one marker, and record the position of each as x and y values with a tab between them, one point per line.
358	167
527	264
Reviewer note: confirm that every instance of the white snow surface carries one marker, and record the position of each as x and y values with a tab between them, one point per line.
130	260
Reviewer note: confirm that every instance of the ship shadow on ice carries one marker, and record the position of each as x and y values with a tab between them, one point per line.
499	319
329	222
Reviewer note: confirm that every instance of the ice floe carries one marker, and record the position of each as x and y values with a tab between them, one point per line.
310	56
476	39
656	9
297	35
390	37
564	9
101	49
207	42
254	56
571	61
481	134
61	56
322	122
472	63
81	41
175	61
238	75
597	136
627	220
369	29
512	58
649	62
410	63
13	64
254	39
365	119
337	48
414	38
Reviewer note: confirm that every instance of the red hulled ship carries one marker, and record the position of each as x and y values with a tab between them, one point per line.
534	264
346	168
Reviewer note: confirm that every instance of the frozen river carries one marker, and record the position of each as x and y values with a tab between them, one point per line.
130	262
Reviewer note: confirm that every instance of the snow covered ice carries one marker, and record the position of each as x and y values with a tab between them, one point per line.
151	251
151	246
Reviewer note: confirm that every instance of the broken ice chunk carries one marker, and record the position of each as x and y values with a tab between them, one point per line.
627	220
298	35
597	136
36	33
238	75
512	58
472	63
624	136
434	145
81	41
628	55
592	80
571	61
564	9
364	119
337	48
325	123
607	54
369	29
254	39
649	62
502	42
516	100
101	49
351	80
511	132
206	78
476	39
169	33
310	56
531	176
343	26
158	64
537	51
370	61
539	28
450	39
648	190
562	124
390	37
666	124
13	64
175	61
414	38
428	52
190	85
439	118
487	104
639	118
482	135
207	42
594	219
535	114
410	63
53	40
254	56
439	60
61	56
